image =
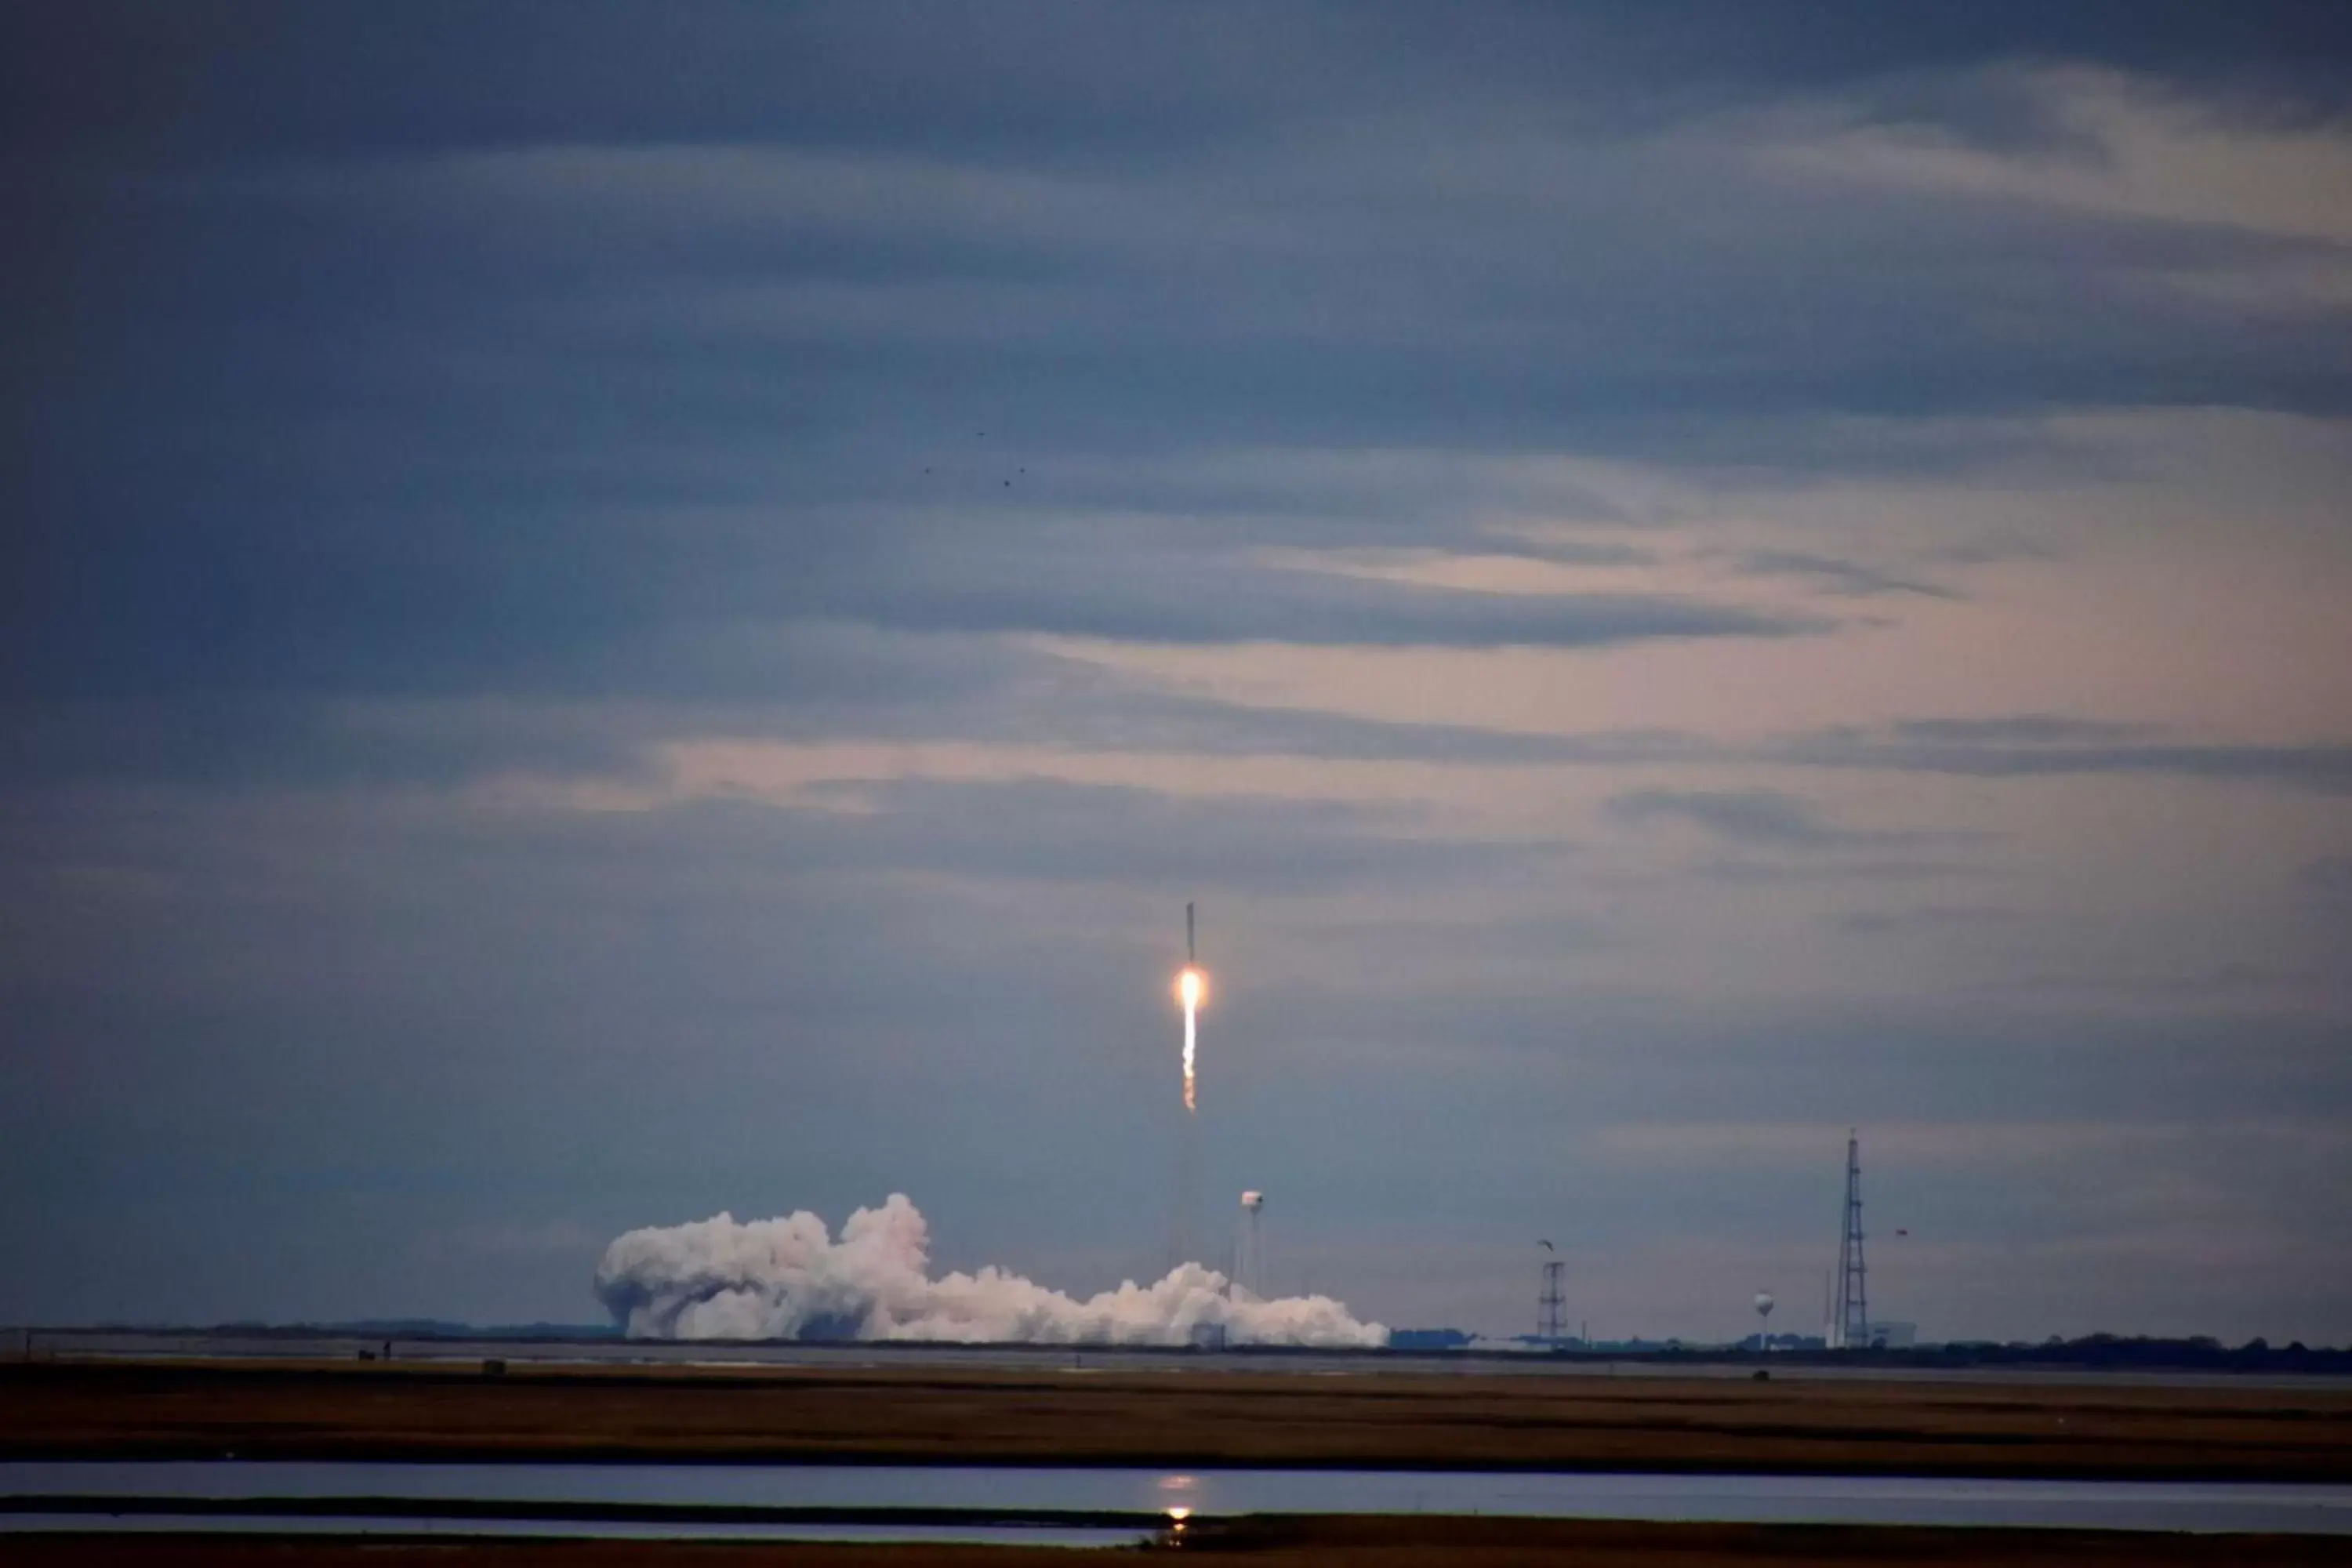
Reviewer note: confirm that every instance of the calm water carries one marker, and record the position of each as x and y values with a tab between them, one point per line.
344	1525
2103	1505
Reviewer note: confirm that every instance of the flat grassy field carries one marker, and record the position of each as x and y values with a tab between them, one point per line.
417	1411
1398	1542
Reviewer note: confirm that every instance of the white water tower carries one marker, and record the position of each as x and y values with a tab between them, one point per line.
1249	1268
1763	1312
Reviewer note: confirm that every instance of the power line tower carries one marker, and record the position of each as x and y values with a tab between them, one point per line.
1850	1324
1548	1304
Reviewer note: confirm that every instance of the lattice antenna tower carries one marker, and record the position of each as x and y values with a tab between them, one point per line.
1550	1302
1850	1324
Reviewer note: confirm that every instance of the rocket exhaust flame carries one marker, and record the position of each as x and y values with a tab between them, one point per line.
1191	990
1190	1083
1191	1030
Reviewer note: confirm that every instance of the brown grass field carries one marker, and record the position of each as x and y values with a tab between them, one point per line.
416	1411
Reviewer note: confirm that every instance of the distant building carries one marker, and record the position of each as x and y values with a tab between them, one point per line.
1207	1336
1428	1339
1894	1336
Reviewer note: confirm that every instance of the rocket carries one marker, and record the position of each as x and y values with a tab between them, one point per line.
1191	981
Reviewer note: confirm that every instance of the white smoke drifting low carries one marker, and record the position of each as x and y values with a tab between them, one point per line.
788	1278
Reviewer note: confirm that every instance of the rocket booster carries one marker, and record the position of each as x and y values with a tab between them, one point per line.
1191	955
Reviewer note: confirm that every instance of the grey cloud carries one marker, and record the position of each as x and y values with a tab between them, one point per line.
1065	78
1767	837
1048	831
1766	818
1315	296
1191	604
2324	767
818	682
584	615
1995	548
1837	575
1862	870
495	433
272	743
1925	920
1152	720
2024	747
2216	985
1574	552
2024	729
844	682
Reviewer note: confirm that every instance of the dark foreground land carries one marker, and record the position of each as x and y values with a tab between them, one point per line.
957	1416
1388	1543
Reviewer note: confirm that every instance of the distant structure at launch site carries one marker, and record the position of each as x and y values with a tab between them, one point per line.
1848	1324
1550	1300
1249	1256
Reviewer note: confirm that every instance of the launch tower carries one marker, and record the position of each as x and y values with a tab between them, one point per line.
1849	1327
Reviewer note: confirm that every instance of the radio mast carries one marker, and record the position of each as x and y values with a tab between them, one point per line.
1850	1324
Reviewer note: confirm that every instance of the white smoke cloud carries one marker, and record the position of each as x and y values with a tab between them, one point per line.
787	1279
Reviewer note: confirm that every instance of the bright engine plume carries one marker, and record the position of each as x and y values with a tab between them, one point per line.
1191	990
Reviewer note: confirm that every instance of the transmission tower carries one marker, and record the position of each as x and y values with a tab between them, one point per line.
1548	1304
1850	1325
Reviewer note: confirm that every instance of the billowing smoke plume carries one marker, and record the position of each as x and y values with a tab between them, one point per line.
788	1278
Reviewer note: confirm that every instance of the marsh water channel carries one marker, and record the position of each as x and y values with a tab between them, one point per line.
1074	1505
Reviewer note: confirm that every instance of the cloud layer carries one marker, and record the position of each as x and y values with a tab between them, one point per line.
621	616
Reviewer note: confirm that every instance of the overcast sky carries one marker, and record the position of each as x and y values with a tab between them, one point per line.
615	612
